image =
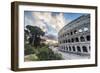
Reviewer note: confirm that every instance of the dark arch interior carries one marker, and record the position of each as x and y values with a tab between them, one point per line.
78	49
82	39
69	48
85	49
73	48
77	40
88	37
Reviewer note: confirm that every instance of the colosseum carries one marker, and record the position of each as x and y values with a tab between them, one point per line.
74	38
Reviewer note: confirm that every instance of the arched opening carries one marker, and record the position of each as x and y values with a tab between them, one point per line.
84	49
73	48
66	41
77	40
72	40
71	33
82	39
78	49
69	48
69	40
88	37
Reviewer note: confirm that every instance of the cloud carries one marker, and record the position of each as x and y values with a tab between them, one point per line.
50	36
46	18
28	21
49	22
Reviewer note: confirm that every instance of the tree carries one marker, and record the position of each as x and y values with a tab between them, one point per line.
26	34
35	32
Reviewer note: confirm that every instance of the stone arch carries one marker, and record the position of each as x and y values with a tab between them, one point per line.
84	49
66	41
72	40
73	48
69	48
88	37
69	40
82	39
77	40
71	33
78	49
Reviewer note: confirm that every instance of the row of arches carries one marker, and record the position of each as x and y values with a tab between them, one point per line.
80	39
76	48
75	32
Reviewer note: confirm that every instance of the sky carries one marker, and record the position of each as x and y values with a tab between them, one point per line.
50	22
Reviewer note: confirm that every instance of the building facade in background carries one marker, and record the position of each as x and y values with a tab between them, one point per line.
75	37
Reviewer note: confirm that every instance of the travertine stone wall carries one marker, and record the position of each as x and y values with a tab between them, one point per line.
75	36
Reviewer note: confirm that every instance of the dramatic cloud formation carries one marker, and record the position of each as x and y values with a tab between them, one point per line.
49	22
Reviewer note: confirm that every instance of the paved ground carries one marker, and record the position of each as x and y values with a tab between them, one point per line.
68	56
